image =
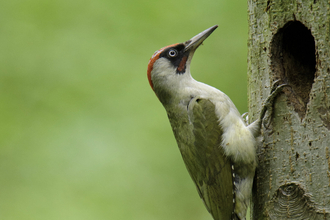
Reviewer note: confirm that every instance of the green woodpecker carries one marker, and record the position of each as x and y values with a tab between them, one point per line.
218	148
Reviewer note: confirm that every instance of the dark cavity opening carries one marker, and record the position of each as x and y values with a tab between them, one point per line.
293	60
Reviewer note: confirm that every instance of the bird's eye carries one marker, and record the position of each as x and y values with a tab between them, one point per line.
173	53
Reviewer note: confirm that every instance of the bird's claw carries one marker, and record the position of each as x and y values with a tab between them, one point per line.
268	105
275	85
245	117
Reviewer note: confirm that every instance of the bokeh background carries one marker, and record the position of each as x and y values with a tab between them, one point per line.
83	137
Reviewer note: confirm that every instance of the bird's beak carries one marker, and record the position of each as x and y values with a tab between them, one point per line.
197	40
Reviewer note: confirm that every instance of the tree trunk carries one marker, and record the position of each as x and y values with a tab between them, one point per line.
289	40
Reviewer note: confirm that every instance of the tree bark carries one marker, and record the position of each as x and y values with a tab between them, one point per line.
290	40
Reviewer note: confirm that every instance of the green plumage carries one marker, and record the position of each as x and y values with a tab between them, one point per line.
204	157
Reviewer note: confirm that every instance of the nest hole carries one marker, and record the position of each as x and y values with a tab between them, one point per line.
293	60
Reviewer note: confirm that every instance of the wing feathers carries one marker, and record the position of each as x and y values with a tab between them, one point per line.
209	168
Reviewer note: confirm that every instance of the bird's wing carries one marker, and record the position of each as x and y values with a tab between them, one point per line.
208	166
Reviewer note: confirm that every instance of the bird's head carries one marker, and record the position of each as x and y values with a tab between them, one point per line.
169	67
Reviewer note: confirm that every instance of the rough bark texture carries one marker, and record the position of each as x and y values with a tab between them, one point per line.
290	40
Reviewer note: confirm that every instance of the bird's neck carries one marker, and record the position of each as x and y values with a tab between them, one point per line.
181	95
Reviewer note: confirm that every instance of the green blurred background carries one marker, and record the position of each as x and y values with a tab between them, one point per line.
82	134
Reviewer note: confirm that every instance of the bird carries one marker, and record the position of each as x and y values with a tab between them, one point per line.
217	145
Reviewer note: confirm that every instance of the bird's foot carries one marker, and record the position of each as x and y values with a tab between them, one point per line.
268	105
245	117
